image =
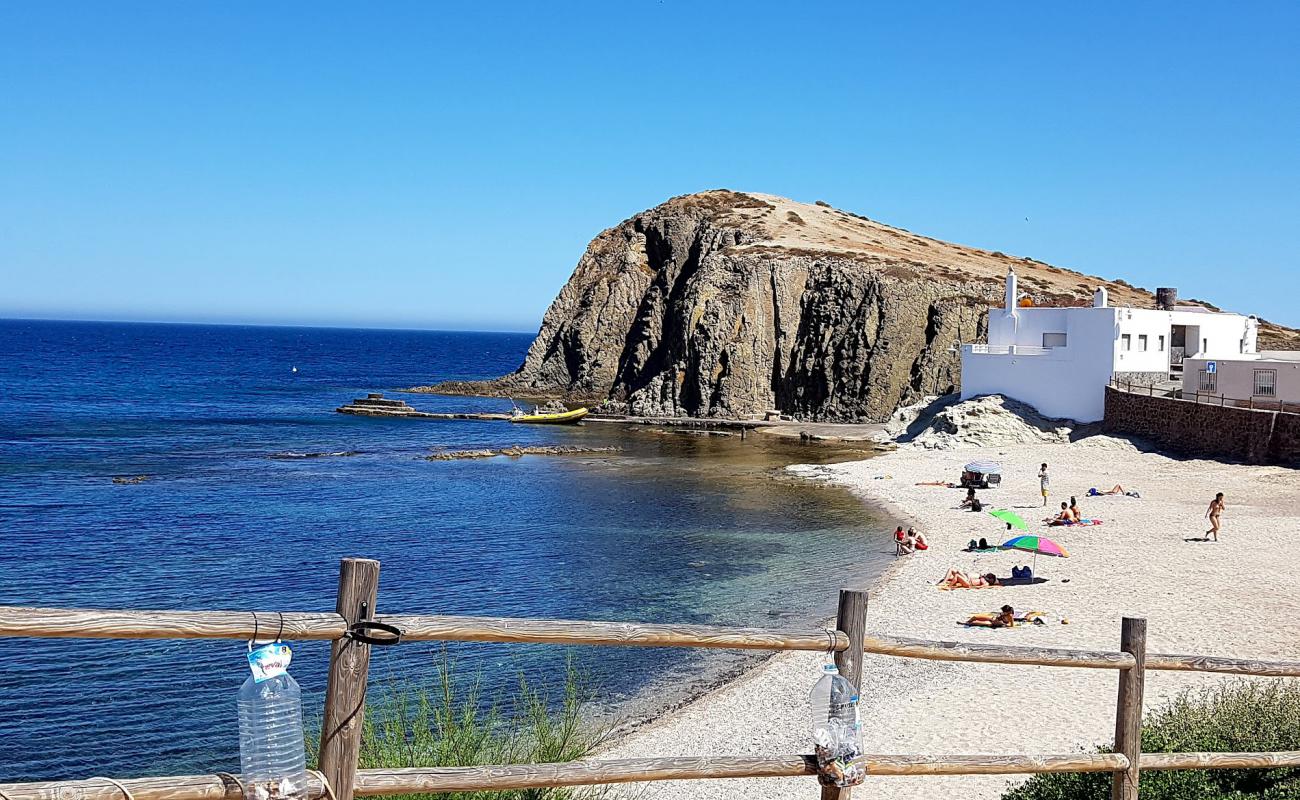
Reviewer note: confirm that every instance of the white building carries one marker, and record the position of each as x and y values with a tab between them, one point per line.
1059	360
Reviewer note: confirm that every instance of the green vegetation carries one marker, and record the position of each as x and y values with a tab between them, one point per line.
1233	717
451	723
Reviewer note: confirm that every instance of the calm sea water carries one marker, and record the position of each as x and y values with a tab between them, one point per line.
675	528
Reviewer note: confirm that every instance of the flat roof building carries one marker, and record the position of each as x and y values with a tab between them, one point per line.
1059	360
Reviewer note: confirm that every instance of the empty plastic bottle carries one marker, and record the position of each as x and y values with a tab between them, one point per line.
837	733
272	757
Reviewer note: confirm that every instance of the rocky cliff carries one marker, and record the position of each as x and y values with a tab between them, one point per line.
725	304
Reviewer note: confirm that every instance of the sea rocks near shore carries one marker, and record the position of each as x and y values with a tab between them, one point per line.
517	451
127	480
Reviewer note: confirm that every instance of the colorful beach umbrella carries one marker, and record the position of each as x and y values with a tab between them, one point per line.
1036	544
1012	519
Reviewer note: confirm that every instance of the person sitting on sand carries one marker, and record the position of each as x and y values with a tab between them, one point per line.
956	579
902	545
917	539
970	498
1063	518
1006	618
1075	514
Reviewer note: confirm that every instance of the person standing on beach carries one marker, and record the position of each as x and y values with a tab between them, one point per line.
1216	508
1043	482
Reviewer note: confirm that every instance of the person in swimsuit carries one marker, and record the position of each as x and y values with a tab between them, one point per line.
1075	514
957	579
902	544
917	539
1044	482
1216	508
1063	518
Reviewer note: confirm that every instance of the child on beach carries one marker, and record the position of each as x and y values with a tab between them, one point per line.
1043	482
1216	508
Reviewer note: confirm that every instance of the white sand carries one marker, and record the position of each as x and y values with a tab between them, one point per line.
1237	597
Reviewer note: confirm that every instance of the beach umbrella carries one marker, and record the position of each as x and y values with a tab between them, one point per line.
1036	544
1012	519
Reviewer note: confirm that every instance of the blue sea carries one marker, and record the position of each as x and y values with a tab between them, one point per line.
256	488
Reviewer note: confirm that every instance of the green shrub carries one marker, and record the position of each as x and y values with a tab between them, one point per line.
450	723
1238	716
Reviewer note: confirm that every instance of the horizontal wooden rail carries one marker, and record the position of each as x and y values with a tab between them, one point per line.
566	631
184	787
78	623
435	780
1235	666
1171	761
298	625
996	654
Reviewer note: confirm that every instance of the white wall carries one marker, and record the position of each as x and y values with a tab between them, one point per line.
1070	382
1222	333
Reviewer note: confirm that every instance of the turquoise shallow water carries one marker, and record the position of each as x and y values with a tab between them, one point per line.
674	528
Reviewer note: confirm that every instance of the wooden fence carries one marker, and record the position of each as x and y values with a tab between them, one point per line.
349	664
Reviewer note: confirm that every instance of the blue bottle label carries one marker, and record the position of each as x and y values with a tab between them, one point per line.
269	661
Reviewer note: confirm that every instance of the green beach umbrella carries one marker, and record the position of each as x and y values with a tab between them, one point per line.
1012	519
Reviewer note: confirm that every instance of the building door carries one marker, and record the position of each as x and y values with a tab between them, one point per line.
1177	348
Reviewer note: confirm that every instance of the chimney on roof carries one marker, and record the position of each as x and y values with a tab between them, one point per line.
1166	298
1100	298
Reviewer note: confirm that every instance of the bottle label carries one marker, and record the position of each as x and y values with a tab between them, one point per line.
269	661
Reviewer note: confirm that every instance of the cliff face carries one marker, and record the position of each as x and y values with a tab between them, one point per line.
722	304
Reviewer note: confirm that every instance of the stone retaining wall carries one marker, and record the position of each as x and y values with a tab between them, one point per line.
1181	426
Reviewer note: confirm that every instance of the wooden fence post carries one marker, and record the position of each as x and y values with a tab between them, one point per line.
345	694
852	620
1128	709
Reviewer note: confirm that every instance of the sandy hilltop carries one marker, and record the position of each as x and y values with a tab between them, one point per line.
1235	597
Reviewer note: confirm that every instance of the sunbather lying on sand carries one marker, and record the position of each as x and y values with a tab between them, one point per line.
1116	490
1006	618
956	579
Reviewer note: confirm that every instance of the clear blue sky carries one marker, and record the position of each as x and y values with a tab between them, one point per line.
444	165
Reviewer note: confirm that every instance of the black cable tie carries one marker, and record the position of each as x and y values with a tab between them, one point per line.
361	632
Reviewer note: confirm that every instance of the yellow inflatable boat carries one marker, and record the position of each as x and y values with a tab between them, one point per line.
551	417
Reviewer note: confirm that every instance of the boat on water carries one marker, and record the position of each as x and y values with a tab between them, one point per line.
540	417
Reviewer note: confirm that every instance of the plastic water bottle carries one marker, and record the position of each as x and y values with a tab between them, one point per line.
837	732
272	757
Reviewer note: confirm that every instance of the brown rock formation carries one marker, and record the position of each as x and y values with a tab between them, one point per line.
723	304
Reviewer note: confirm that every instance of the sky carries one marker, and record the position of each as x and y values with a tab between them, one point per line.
443	165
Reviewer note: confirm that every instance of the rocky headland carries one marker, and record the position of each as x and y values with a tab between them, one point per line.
730	304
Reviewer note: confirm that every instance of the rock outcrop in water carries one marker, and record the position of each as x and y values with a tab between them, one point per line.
724	304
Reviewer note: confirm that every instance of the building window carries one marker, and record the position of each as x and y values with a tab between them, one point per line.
1126	342
1265	383
1053	340
1142	342
1161	341
1209	382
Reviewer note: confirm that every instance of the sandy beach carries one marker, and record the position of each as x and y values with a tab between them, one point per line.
1237	597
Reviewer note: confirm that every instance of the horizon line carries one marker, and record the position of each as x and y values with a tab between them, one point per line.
315	326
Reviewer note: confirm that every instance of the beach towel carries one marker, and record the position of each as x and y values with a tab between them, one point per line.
1021	581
